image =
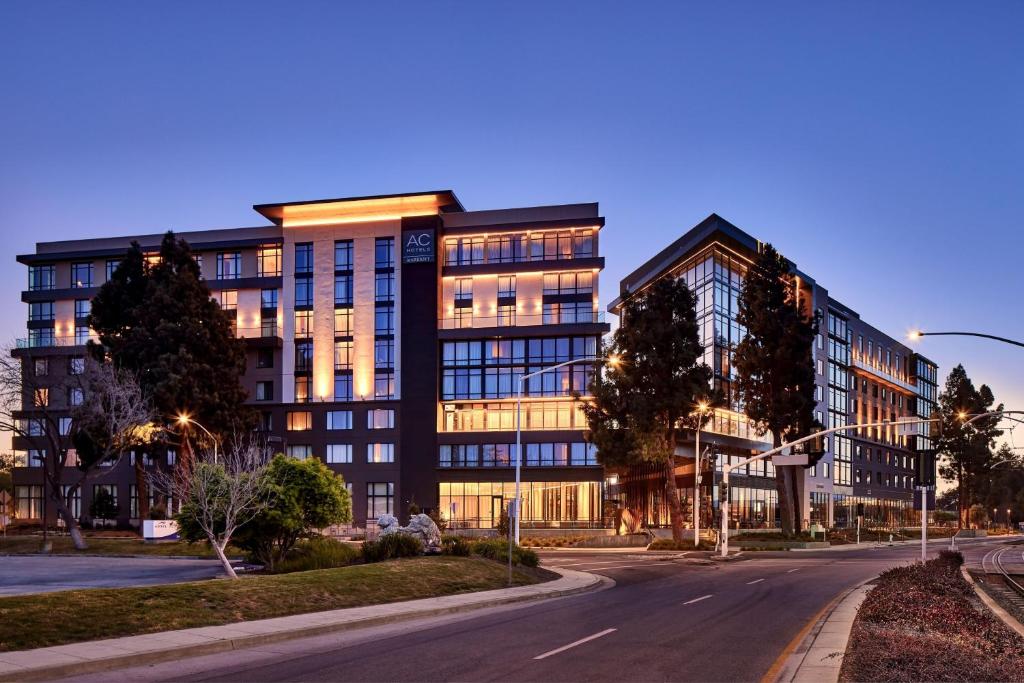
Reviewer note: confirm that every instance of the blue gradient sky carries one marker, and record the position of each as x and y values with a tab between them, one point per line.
879	145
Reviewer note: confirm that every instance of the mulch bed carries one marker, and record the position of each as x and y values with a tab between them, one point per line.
924	623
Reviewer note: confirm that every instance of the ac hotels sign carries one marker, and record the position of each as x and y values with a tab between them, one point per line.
418	246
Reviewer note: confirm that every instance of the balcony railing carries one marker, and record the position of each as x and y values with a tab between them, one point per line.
881	371
54	341
452	322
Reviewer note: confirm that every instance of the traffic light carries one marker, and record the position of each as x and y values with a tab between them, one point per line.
860	509
926	468
723	491
814	449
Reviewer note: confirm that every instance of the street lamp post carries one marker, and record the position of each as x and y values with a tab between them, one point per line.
701	408
612	360
184	420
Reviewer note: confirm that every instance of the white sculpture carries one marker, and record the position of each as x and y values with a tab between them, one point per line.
420	526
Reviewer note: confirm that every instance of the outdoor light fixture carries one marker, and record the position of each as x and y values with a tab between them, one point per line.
917	334
184	419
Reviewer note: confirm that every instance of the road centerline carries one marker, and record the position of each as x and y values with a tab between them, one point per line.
599	634
750	583
703	597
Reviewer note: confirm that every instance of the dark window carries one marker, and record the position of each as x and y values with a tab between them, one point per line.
265	358
304	257
343	255
265	391
384	252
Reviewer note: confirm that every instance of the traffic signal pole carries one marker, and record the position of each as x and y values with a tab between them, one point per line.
727	469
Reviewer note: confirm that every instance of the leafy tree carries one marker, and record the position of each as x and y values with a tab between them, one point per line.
6	464
307	496
104	506
775	366
967	448
641	402
157	319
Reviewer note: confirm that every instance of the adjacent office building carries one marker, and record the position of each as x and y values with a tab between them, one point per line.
385	335
862	375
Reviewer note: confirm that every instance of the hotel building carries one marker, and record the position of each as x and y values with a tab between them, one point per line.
386	336
862	375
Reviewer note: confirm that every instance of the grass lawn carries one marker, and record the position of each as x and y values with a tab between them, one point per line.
33	621
28	545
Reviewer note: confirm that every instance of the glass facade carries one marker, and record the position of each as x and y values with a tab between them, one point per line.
557	504
838	399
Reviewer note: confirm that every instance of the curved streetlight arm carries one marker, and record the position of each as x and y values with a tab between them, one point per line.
190	421
967	334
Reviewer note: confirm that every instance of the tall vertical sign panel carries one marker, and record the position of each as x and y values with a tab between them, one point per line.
419	352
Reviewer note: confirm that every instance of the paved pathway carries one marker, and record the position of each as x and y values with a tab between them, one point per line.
22	574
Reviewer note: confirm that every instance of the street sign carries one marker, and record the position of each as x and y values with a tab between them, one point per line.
782	460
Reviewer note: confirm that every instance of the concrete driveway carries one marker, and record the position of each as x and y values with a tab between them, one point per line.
20	575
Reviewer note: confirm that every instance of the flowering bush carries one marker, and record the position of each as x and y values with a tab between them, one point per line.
920	623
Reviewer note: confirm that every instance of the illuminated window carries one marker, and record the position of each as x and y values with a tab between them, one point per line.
302	389
299	421
343	322
268	261
303	323
343	355
228	299
507	287
75	396
41	397
380	452
380	419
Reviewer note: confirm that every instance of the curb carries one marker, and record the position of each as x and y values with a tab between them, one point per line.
792	666
120	657
996	608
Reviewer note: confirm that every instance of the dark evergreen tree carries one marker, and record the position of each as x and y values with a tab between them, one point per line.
967	447
775	366
642	400
157	319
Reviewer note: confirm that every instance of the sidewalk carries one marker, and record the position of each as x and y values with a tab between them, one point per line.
819	657
865	545
104	655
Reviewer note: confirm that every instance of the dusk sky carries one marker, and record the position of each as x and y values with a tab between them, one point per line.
878	145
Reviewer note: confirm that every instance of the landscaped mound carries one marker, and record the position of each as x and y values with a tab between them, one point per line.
924	623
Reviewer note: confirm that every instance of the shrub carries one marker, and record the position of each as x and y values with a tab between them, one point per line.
103	506
307	495
503	524
456	545
497	549
157	512
439	520
391	546
318	552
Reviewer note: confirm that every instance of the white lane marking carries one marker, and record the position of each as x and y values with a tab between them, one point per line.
592	562
703	597
573	644
793	570
750	583
618	566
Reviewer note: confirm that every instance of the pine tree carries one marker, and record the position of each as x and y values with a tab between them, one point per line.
159	321
641	400
775	366
967	447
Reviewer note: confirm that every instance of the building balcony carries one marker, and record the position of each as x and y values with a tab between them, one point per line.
70	344
522	320
883	374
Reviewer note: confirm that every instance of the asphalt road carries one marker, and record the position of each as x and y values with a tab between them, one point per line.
21	574
664	620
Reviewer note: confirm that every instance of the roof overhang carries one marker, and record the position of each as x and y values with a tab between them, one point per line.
360	209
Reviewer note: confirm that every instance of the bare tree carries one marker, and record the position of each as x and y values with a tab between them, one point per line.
40	403
220	497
